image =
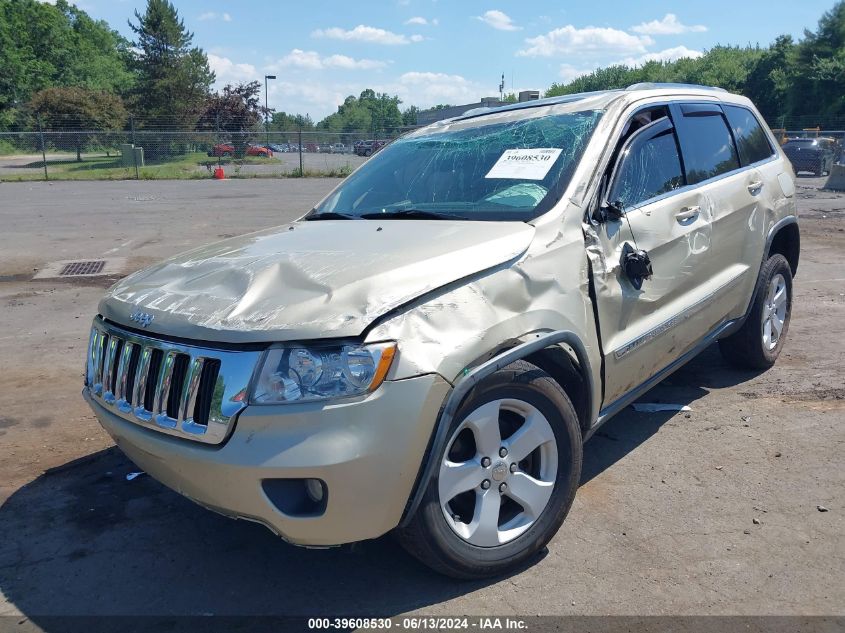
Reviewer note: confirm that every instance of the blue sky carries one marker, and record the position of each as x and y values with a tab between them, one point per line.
453	51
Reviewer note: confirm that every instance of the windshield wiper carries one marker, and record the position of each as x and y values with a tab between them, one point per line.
330	215
411	214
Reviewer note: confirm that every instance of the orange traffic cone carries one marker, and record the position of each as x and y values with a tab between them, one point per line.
218	173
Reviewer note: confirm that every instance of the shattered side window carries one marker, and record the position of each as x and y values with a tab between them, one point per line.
649	166
512	170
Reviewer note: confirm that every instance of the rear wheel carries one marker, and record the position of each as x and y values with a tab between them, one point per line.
506	478
758	344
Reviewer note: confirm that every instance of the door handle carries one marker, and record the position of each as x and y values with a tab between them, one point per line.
690	213
755	187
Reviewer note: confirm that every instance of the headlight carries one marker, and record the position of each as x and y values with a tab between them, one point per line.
302	374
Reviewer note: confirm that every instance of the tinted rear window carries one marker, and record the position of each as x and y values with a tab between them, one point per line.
707	146
751	139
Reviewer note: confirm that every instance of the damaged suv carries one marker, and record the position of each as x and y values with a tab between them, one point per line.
427	350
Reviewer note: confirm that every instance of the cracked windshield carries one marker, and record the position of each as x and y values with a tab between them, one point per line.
513	170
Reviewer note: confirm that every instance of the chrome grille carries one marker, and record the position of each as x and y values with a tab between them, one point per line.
184	390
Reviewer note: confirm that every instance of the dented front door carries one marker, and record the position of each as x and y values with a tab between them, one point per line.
643	330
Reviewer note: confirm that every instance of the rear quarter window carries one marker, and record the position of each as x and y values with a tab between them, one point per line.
706	142
751	140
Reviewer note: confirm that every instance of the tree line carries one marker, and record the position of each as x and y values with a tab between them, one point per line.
797	84
71	72
59	65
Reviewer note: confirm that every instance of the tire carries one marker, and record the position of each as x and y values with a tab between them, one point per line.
753	346
483	548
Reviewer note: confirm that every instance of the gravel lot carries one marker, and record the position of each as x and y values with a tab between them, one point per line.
663	522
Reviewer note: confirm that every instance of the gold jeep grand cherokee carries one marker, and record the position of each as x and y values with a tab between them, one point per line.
427	350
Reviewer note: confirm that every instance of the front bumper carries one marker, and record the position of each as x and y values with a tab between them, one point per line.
368	452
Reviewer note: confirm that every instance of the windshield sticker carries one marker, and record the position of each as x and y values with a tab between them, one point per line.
524	164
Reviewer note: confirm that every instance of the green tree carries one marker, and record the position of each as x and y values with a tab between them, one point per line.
44	45
819	85
78	114
236	112
369	114
174	78
284	122
769	82
409	116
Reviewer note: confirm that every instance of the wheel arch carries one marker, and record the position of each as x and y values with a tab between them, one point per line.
571	370
785	239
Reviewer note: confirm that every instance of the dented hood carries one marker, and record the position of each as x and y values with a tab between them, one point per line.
309	280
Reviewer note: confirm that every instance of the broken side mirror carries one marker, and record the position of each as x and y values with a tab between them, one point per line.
636	265
604	211
613	210
608	212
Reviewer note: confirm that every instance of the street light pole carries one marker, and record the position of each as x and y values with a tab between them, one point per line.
267	109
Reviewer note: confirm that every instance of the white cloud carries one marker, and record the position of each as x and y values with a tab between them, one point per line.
362	33
569	40
212	15
667	55
228	72
423	89
426	89
350	63
568	72
311	60
417	20
498	20
669	25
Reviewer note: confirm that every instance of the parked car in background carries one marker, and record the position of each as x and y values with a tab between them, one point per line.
816	155
428	349
275	147
364	148
368	148
337	148
226	150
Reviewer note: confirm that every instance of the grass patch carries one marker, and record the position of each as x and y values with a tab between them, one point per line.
194	166
7	148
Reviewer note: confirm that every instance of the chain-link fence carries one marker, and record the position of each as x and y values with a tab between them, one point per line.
62	148
58	150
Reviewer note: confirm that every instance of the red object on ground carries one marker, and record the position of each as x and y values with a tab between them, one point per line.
218	173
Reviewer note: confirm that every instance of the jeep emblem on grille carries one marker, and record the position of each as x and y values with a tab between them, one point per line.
141	318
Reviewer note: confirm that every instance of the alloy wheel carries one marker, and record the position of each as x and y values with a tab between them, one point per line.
498	472
774	312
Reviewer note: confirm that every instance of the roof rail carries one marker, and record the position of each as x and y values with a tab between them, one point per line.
648	85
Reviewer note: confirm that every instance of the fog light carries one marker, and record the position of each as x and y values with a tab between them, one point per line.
314	488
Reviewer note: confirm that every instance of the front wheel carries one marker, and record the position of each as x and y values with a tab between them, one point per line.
506	478
759	342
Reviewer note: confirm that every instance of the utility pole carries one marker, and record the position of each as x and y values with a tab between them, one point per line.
502	88
267	109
